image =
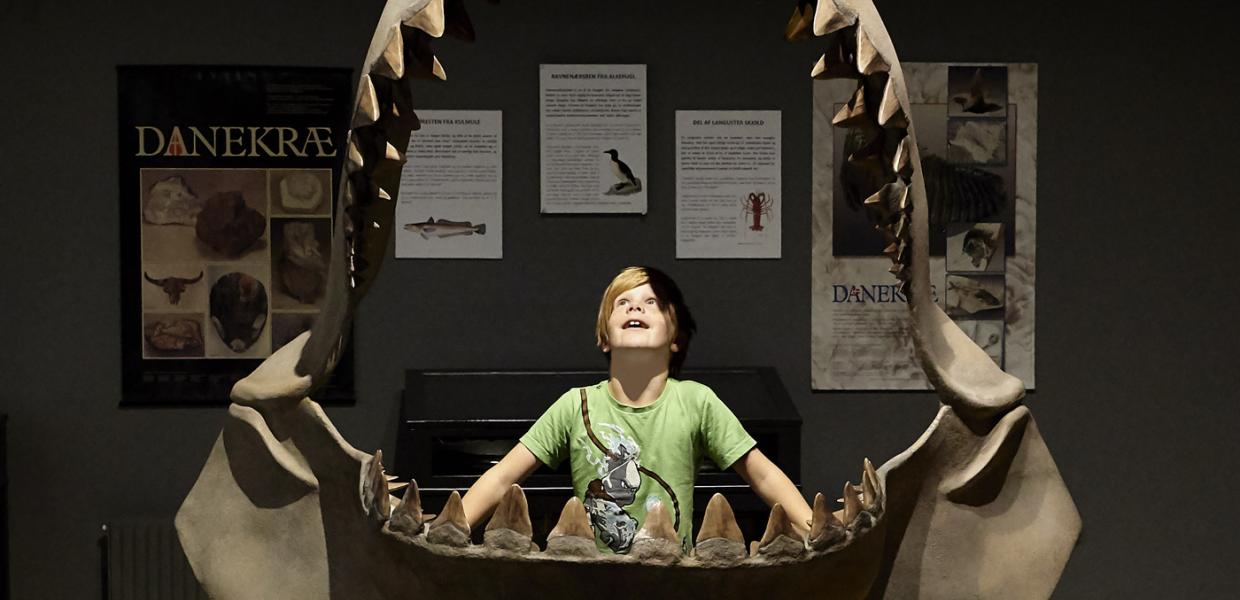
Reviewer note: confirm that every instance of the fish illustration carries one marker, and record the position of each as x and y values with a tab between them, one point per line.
444	228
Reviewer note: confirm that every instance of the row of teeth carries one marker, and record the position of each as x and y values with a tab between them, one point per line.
634	324
719	541
384	112
875	110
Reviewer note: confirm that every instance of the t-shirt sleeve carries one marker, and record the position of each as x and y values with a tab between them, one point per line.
723	436
548	437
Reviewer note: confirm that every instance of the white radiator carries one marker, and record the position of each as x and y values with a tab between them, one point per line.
143	560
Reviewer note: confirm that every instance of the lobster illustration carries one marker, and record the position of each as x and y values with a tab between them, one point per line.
757	205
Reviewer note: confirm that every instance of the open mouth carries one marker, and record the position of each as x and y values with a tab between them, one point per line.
635	324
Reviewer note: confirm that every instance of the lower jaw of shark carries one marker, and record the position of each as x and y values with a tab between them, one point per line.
304	514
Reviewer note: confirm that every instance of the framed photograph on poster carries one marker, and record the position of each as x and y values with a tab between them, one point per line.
977	139
227	190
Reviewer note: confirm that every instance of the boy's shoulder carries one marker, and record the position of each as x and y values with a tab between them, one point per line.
693	391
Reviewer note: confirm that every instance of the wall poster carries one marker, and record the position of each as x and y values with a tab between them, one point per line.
728	185
227	189
976	126
592	122
451	203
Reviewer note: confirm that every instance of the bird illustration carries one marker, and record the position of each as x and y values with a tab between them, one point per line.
622	172
975	101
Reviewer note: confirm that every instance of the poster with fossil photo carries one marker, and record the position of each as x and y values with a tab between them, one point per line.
226	199
976	128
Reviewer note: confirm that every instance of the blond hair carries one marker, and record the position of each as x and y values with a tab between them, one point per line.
671	304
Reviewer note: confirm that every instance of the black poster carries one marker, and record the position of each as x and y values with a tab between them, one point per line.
227	191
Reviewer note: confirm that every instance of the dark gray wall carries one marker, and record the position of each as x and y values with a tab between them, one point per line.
1135	292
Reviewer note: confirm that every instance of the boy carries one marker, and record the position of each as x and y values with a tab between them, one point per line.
636	438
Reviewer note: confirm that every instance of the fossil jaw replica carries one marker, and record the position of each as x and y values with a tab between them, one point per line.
286	508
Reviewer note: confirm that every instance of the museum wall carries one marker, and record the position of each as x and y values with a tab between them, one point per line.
1137	279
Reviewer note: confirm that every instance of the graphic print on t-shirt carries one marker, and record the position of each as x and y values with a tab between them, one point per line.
619	478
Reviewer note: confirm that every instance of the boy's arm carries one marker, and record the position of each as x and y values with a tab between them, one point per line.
480	501
772	485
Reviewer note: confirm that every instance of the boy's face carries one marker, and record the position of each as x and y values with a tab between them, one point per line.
637	322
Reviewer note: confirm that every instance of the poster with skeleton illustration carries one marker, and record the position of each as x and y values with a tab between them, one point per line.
976	126
227	189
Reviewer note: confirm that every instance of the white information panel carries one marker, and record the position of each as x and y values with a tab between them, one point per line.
728	185
451	189
593	138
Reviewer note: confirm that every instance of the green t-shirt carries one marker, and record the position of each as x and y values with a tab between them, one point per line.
651	453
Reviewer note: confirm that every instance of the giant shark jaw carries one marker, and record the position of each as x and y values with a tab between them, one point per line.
305	515
286	508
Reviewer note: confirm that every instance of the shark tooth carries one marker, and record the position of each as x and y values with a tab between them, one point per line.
886	201
391	153
719	521
394	486
899	271
801	24
869	60
828	18
572	534
658	525
852	503
407	518
513	512
900	162
719	541
450	528
510	528
367	111
375	497
825	530
391	63
869	497
657	540
868	468
892	250
457	22
384	195
901	228
780	539
852	114
401	95
430	19
354	161
426	64
390	477
890	113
